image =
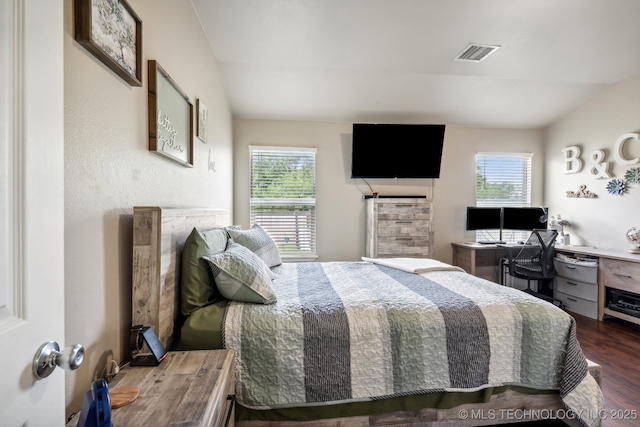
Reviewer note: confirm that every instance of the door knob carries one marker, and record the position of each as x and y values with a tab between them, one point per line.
49	356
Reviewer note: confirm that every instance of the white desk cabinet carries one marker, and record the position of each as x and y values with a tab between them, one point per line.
577	287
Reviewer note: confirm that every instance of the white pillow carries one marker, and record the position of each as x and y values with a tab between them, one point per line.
259	241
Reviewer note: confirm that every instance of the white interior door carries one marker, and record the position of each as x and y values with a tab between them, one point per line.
31	208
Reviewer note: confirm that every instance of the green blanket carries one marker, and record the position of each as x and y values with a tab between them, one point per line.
356	331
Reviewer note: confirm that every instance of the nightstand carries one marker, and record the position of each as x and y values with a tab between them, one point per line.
194	388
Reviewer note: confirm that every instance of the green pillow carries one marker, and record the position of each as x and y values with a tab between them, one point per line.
196	286
259	241
241	276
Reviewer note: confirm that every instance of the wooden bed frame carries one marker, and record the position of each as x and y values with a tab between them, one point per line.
158	237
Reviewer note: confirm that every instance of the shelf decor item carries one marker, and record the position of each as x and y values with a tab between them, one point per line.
112	32
202	121
170	117
633	236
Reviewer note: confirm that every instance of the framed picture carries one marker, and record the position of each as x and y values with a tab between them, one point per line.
202	117
170	117
112	32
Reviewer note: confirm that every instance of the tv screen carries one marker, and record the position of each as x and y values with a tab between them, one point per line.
483	218
396	150
527	219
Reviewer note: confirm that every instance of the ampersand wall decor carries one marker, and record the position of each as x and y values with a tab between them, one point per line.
599	168
582	193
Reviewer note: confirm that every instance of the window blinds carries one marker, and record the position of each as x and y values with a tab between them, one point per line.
503	179
283	196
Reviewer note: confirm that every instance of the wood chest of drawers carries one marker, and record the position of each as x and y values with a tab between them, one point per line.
399	227
189	388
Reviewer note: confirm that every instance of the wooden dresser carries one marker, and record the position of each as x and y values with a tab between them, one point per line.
188	388
399	227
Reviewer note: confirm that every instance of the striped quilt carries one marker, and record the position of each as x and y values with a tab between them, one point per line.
356	331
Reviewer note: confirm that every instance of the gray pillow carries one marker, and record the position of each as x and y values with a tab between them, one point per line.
240	275
259	241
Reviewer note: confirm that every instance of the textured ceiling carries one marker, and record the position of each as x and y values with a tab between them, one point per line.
392	61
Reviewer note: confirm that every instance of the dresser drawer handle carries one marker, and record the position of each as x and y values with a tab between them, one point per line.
232	403
404	222
572	299
404	238
571	283
624	276
571	267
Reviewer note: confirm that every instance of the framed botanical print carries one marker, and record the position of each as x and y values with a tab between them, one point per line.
112	32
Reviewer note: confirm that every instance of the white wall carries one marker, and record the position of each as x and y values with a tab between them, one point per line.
596	125
340	207
108	170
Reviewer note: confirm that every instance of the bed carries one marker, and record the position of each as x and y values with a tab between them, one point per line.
373	342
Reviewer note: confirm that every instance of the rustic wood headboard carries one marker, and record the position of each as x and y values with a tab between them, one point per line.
158	238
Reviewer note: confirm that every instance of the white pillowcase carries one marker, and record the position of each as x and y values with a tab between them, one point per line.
241	276
258	241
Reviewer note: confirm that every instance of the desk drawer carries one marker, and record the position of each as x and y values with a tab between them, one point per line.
573	271
623	275
588	291
577	304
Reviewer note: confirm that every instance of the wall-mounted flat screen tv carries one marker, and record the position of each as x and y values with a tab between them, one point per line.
484	218
524	218
396	150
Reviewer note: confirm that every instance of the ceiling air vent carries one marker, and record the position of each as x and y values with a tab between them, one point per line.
476	52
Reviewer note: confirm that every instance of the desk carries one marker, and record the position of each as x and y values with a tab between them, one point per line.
470	255
617	269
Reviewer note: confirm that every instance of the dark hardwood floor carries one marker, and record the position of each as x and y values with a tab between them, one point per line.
615	345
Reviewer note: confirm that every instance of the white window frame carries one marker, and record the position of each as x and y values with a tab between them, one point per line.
523	178
310	219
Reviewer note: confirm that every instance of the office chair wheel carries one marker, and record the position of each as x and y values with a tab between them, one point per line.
560	305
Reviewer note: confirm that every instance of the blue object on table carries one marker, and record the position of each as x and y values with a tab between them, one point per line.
96	408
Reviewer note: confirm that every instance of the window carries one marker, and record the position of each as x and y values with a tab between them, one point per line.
283	197
503	180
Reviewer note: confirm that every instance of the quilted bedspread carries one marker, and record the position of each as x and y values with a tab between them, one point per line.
355	331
